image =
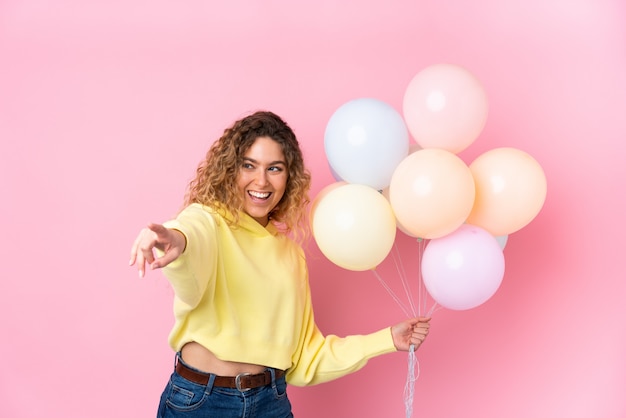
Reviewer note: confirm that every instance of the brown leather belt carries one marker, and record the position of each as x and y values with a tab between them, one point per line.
243	381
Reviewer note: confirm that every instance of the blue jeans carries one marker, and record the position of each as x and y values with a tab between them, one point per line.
185	399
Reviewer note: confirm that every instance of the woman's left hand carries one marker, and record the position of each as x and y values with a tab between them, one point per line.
410	332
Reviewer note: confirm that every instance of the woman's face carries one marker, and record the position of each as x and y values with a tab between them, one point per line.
262	178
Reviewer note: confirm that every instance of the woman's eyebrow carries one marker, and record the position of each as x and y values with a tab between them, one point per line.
252	160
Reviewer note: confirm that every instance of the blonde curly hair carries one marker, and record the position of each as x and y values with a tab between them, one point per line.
215	184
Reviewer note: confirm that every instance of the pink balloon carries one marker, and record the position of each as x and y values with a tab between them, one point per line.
463	269
445	106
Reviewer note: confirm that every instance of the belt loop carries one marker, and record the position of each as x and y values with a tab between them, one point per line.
176	357
273	376
209	385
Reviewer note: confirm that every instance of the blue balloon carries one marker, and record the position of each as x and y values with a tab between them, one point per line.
365	140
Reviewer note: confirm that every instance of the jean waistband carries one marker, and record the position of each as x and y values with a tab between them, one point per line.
242	382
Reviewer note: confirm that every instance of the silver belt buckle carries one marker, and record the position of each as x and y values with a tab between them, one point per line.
238	382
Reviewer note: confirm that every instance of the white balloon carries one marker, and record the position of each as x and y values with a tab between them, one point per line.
365	140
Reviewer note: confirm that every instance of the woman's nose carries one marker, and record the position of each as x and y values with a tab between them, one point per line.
261	178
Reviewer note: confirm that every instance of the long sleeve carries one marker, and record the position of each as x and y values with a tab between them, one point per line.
320	358
193	270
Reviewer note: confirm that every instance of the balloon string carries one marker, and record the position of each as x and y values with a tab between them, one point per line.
411	378
413	366
393	295
422	295
403	278
413	363
434	309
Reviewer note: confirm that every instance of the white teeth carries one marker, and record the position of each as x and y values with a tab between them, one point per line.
259	195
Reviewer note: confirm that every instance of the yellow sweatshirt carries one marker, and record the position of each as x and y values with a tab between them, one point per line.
243	293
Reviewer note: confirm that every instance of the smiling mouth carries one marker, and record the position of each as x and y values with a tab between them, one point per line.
259	195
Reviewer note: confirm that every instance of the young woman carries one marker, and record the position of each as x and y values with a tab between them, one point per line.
244	324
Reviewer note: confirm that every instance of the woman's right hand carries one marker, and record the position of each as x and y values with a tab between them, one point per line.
171	241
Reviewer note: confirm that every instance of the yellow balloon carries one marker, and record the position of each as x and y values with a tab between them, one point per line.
511	188
354	226
431	193
325	190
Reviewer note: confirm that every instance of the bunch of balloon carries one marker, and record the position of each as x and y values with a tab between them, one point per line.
460	215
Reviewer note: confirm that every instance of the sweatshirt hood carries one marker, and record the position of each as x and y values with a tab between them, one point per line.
245	222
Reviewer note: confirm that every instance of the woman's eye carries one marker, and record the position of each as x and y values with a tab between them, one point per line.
247	165
277	169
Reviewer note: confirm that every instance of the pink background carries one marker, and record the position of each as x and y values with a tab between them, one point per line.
106	107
